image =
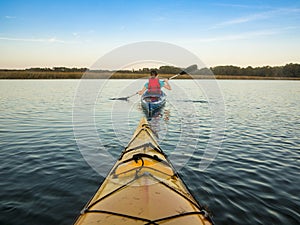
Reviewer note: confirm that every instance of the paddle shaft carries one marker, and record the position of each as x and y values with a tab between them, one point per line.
185	71
170	78
132	95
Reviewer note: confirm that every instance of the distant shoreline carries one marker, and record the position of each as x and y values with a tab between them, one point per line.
16	74
290	71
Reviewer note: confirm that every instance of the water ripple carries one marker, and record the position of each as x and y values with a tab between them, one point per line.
254	179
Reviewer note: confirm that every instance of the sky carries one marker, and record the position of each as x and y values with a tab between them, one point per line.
77	33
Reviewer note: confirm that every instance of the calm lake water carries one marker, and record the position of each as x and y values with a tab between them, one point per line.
253	178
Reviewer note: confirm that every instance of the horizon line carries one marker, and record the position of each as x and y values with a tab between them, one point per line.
52	67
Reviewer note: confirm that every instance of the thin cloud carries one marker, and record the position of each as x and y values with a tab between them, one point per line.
241	6
290	10
75	34
234	37
245	19
42	40
258	16
10	17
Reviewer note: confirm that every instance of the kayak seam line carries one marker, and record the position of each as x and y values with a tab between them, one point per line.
146	129
178	192
150	135
133	138
198	206
178	215
119	188
122	215
107	195
125	185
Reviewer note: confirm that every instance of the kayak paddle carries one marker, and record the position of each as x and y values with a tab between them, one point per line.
185	71
124	98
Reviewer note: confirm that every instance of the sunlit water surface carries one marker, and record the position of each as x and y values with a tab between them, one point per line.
254	178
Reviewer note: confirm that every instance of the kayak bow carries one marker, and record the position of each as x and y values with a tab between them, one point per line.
143	188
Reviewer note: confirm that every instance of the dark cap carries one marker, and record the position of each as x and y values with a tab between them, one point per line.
153	73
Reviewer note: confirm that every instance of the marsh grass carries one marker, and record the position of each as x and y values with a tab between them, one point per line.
24	74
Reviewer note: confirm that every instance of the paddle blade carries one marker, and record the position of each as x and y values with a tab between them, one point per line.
123	98
189	69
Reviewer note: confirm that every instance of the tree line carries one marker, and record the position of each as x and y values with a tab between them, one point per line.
288	70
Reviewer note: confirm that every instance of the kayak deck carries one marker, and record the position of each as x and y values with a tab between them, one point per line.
143	188
152	102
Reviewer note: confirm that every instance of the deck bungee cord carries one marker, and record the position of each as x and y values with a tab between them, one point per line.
143	188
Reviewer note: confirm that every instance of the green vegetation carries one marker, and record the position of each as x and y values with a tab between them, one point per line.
289	71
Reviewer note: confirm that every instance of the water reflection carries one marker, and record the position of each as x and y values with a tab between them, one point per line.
45	180
159	122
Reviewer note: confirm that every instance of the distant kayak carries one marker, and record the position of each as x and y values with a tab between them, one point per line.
153	102
143	188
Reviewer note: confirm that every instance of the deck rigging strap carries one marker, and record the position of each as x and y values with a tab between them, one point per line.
148	221
136	158
123	186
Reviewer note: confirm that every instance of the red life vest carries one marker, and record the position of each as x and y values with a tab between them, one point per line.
154	86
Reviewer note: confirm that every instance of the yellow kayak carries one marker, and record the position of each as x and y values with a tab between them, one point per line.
143	188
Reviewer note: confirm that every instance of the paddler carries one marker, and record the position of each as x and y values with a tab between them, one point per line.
154	84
